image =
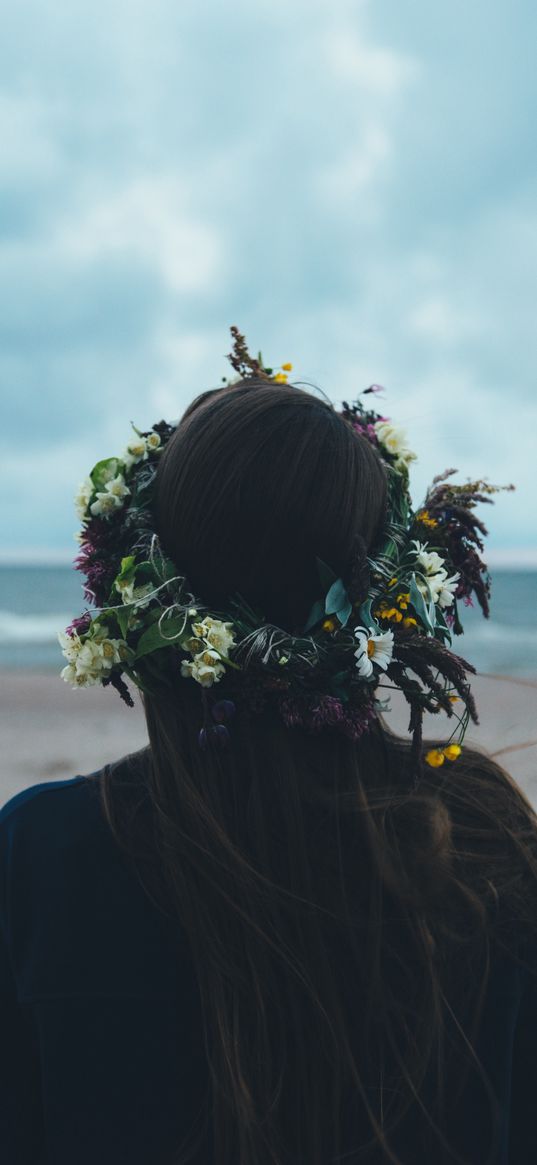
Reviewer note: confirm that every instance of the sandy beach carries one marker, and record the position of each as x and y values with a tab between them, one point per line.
50	732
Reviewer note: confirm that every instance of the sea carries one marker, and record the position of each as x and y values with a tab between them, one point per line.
37	601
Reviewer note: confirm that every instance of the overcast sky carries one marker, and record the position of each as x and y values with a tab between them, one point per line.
353	184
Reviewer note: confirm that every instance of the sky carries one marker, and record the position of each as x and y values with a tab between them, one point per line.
352	183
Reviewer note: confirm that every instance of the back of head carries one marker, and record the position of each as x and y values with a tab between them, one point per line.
257	480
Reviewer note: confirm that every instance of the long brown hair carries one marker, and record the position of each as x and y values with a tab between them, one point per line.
333	912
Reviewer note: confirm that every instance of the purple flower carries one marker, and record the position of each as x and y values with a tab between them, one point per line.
329	710
223	710
217	734
80	625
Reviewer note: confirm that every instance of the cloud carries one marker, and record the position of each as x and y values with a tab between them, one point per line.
148	220
354	189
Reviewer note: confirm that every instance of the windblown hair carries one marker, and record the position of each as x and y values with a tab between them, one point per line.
335	916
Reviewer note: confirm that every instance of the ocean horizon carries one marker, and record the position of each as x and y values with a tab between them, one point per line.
37	600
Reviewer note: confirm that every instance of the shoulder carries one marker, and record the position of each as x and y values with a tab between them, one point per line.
53	823
48	807
53	801
40	798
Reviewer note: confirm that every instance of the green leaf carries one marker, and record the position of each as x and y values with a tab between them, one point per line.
315	615
366	619
103	471
337	602
127	567
122	617
153	639
426	614
442	630
326	575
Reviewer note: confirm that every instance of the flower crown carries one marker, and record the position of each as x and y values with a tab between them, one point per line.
392	620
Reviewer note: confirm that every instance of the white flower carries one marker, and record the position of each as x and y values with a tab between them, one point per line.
431	588
82	497
216	633
88	661
394	440
105	503
135	451
132	594
117	486
206	667
153	441
82	680
429	559
447	592
372	649
438	586
70	645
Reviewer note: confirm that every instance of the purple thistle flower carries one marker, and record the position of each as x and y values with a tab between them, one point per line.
356	721
329	710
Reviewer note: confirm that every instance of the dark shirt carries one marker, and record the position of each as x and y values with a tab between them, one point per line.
101	1051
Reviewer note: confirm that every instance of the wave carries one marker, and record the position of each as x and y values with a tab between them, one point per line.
44	628
494	634
31	628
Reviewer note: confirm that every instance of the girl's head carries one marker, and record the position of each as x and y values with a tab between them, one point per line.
257	480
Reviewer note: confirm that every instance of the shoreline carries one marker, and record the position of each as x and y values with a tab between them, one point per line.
52	732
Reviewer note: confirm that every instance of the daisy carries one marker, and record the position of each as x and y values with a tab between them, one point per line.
372	649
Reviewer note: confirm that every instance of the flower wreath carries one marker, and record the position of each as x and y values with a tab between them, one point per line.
393	618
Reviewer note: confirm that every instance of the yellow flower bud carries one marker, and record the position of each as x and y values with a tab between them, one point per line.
410	622
329	625
287	367
435	757
280	378
452	751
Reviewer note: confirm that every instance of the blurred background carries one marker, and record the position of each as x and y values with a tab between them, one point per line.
350	182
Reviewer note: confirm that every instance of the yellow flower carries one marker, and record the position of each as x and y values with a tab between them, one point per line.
452	751
392	614
287	367
280	378
329	625
426	520
392	582
453	699
410	622
435	757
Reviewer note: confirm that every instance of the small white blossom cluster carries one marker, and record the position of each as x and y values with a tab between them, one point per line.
91	658
111	498
372	649
115	490
394	440
442	589
139	448
209	645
